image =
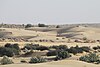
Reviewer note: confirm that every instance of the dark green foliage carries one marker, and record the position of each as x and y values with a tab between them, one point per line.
73	50
86	49
31	46
84	38
62	55
90	58
52	53
42	48
6	51
37	60
23	61
15	46
6	60
57	26
9	50
60	47
28	53
8	45
42	25
28	25
35	47
77	49
95	48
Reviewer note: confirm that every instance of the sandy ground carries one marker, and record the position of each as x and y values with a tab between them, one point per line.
91	33
63	63
21	44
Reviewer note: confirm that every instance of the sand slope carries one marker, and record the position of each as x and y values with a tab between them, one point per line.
63	63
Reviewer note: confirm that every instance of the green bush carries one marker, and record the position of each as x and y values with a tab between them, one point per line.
57	26
28	25
6	51
77	49
42	48
52	53
23	61
6	60
31	46
90	58
14	47
96	48
62	55
60	47
42	25
37	60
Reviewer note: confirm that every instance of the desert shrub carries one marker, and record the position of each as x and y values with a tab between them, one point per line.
37	60
35	47
42	48
52	53
23	61
31	46
73	50
28	53
77	49
97	47
57	38
14	47
90	58
6	51
8	45
57	26
54	47
62	55
63	38
6	60
28	25
60	47
84	38
42	25
86	49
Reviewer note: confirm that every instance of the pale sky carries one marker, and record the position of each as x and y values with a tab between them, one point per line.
49	11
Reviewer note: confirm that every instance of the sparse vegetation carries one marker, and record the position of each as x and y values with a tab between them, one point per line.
84	38
28	25
57	26
9	50
52	53
42	25
35	47
23	61
62	55
77	49
90	58
6	60
37	60
97	47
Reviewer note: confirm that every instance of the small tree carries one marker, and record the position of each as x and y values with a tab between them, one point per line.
28	25
6	60
37	60
90	58
42	25
57	26
84	38
62	55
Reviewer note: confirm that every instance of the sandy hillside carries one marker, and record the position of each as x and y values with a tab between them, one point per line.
63	63
51	33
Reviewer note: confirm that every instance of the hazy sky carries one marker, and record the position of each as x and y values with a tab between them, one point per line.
49	11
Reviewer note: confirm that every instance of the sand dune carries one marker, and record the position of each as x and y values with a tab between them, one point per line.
63	63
